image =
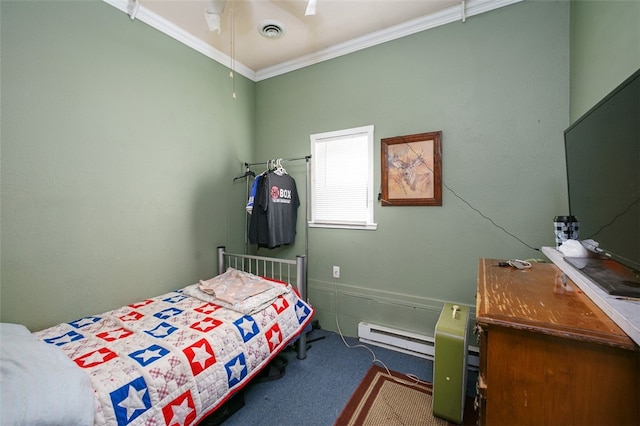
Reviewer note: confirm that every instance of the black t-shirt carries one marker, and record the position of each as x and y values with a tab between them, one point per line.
273	221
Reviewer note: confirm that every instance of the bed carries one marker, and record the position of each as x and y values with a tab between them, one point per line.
173	359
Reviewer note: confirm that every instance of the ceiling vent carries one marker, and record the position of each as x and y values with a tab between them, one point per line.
271	29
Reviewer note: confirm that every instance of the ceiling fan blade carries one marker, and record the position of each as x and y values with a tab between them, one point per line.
213	12
311	8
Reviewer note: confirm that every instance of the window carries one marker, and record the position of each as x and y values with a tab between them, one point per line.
342	179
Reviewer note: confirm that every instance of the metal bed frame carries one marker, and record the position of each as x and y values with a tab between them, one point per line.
269	267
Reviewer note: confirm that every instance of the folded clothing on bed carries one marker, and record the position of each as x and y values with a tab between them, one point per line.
259	294
234	286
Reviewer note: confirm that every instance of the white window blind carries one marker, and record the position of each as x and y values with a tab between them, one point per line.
342	178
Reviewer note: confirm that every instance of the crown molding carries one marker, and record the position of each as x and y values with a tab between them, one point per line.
446	16
161	24
452	14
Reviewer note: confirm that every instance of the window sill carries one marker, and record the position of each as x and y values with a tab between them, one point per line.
364	227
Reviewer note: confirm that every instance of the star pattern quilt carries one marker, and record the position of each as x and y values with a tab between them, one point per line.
175	358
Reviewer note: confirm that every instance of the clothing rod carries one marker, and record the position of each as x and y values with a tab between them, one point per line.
307	204
308	157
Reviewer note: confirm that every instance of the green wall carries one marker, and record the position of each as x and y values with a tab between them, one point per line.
497	86
605	49
119	146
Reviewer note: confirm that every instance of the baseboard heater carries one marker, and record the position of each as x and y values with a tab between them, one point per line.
406	342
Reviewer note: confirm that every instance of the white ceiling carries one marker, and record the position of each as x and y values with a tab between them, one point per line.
338	27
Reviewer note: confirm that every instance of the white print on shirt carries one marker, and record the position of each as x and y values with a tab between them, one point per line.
280	195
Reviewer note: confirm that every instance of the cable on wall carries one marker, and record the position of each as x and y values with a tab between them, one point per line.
488	218
484	216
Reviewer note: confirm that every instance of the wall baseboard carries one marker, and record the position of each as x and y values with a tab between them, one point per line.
351	305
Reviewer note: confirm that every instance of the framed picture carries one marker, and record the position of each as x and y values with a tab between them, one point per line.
412	170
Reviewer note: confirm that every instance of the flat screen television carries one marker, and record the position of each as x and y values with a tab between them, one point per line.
602	151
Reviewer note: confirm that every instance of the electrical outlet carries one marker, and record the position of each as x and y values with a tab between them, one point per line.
336	271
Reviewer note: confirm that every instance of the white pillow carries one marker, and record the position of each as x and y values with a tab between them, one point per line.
39	384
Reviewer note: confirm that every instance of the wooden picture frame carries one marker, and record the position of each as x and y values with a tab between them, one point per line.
412	170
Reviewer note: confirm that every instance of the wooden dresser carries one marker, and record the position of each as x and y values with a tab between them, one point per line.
548	354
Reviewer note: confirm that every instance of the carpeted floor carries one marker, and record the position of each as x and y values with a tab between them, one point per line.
314	391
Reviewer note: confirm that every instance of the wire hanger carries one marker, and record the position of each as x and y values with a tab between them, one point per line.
269	167
279	170
247	173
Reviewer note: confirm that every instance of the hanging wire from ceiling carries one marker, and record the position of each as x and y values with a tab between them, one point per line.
232	47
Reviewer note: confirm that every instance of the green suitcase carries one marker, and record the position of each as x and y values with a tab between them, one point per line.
450	364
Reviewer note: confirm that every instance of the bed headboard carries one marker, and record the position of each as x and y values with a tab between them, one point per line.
290	271
270	267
